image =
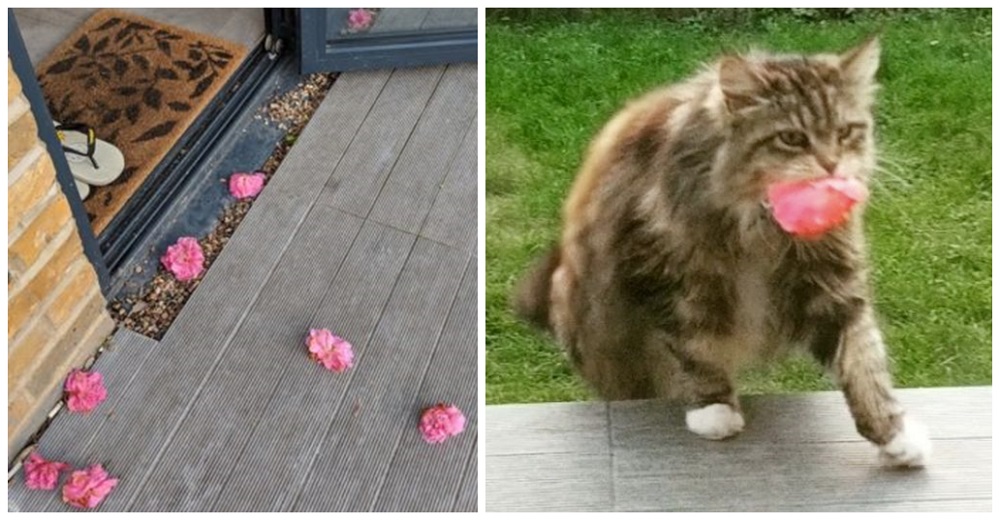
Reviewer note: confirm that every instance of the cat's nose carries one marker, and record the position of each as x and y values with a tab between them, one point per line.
829	164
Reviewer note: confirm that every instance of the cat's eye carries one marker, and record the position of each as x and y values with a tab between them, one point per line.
849	132
793	139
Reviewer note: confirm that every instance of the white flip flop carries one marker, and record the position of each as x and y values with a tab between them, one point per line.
91	160
83	188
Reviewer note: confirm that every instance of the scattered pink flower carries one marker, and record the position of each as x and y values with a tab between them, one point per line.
87	488
359	19
440	422
808	209
246	185
42	474
84	390
185	259
333	352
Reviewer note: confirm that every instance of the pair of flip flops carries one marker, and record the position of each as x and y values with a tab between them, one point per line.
92	161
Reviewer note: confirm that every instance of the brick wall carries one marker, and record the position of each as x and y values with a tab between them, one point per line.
56	315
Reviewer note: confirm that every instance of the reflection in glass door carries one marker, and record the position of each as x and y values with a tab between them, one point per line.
364	38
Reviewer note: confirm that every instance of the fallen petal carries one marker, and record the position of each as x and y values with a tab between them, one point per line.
246	185
440	422
84	391
40	473
331	351
185	259
87	488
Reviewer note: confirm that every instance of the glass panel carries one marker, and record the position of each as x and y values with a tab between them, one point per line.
359	23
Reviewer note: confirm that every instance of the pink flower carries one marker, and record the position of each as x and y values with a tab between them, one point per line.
184	259
808	209
359	19
87	488
333	352
84	391
40	473
246	185
440	422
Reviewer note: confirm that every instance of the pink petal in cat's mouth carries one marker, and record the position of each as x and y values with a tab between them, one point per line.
809	208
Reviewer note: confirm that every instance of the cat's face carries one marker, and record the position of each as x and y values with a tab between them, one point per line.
794	118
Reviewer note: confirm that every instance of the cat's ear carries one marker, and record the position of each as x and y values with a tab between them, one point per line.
740	84
859	65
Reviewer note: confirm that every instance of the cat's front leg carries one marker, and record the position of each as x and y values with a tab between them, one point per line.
853	349
707	388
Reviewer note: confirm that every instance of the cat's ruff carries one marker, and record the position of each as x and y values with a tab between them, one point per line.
911	447
715	421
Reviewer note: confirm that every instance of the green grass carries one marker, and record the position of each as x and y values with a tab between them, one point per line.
552	81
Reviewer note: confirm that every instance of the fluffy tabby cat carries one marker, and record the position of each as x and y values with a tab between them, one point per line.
671	273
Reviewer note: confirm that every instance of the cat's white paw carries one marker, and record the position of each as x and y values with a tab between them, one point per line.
911	447
715	421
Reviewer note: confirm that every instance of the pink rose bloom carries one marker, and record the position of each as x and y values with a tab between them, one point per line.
359	19
184	259
84	390
333	352
40	473
808	209
246	185
440	422
87	488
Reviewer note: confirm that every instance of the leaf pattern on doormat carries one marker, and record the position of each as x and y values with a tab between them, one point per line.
139	84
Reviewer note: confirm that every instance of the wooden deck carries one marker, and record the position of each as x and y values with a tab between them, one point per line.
798	453
368	228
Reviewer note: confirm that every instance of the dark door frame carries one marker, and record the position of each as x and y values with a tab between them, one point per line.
388	51
47	133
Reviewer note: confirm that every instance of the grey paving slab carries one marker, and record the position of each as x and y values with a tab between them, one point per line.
548	481
517	429
777	475
799	452
228	413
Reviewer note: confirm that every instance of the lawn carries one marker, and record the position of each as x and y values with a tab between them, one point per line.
553	79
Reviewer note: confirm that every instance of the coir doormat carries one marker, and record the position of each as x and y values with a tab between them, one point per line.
139	84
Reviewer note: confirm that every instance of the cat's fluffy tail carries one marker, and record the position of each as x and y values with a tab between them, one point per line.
532	293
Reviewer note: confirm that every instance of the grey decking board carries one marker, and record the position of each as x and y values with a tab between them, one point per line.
449	219
468	496
244	418
397	360
308	397
333	128
450	378
409	191
230	286
358	178
192	468
118	364
794	456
